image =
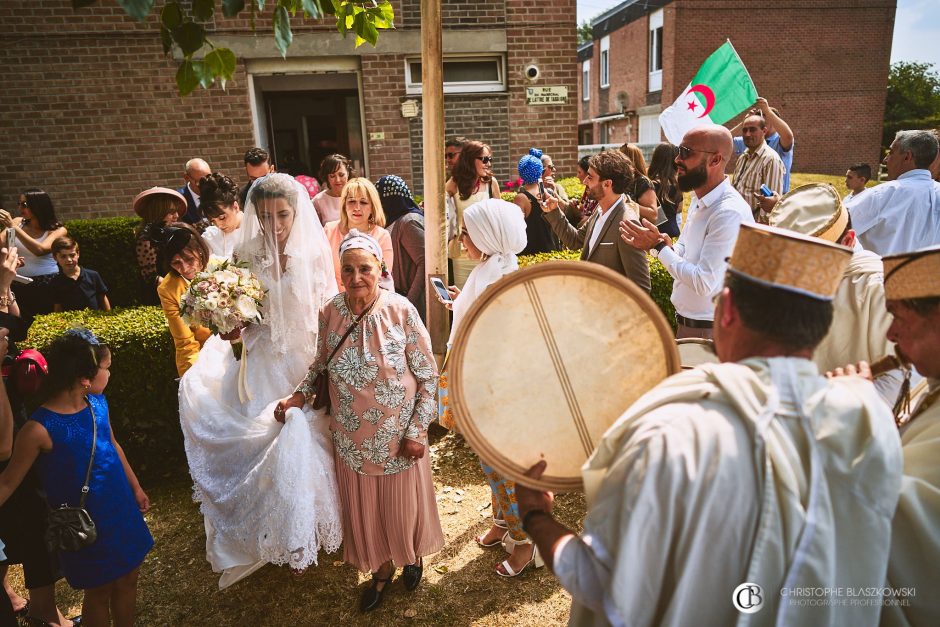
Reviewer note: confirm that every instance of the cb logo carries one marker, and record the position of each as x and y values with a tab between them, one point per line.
748	598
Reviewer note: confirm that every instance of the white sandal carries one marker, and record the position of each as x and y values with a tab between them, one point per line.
536	558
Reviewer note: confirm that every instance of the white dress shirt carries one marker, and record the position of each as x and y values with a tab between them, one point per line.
697	262
599	224
898	216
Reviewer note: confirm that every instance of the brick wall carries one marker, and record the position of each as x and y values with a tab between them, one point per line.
828	80
89	109
484	117
549	40
94	119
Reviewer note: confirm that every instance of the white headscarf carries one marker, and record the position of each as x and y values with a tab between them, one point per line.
497	228
292	303
357	239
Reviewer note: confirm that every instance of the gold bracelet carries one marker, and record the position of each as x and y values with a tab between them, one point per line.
8	299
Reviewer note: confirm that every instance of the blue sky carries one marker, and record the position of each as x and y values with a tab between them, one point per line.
916	28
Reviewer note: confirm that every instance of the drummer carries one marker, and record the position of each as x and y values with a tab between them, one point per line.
860	321
730	474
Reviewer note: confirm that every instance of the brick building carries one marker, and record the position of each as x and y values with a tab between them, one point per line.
90	113
824	65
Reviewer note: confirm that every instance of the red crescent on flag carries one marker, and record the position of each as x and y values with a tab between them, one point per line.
708	94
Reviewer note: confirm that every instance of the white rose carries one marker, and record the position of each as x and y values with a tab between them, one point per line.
246	307
226	277
211	301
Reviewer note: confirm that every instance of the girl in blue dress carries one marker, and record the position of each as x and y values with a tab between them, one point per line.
58	439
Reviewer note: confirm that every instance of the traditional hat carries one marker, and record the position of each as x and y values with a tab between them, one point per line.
913	275
813	209
159	190
789	261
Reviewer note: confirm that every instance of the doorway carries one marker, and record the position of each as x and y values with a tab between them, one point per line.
306	109
306	126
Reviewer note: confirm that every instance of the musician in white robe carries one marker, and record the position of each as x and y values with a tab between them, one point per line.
735	487
859	318
912	287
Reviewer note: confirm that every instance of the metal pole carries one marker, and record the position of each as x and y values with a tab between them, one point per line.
432	112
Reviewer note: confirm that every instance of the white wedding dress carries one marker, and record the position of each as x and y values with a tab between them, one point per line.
267	490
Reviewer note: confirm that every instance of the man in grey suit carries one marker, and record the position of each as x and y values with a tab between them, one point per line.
609	174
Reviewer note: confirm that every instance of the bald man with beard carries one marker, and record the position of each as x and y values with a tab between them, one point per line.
697	261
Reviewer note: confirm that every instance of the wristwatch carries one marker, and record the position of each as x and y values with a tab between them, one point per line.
658	248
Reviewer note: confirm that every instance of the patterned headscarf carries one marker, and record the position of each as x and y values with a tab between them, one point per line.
397	200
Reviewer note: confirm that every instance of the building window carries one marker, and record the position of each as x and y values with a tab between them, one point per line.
649	129
586	80
656	51
462	74
605	62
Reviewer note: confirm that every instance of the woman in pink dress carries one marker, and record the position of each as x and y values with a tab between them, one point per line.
361	209
383	386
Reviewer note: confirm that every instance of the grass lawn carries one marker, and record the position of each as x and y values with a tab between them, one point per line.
177	587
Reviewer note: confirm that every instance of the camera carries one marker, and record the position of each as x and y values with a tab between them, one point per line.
531	71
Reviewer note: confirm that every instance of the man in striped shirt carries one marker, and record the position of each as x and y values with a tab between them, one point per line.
759	165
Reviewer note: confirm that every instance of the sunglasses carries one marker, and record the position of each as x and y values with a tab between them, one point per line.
486	160
685	152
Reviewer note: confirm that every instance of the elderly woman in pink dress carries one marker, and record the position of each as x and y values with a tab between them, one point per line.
382	386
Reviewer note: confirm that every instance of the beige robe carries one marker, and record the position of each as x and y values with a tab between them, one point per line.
860	323
735	473
915	538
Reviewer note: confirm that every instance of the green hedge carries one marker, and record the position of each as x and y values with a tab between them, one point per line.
660	279
107	246
142	390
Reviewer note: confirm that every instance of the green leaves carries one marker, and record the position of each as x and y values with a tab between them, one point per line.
179	28
220	63
190	37
282	33
186	78
203	9
231	8
137	9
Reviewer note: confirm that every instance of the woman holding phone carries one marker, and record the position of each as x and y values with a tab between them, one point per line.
35	230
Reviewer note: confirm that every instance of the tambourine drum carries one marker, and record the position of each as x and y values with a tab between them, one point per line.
547	359
694	352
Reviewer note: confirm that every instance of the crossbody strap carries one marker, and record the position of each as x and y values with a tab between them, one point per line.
350	330
91	460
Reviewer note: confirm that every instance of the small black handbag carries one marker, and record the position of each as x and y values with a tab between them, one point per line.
71	528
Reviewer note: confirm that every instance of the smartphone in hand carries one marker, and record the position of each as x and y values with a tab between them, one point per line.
441	289
766	191
10	238
542	196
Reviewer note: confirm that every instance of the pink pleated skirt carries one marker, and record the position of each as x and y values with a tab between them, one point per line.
388	517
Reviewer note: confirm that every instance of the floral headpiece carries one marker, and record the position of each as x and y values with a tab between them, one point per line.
84	334
530	168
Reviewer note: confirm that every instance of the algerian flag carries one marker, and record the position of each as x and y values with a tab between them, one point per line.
721	89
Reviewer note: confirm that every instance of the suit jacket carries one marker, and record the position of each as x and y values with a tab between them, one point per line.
610	250
188	340
193	214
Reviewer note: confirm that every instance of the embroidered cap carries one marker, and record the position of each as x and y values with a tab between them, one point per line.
789	261
813	209
913	275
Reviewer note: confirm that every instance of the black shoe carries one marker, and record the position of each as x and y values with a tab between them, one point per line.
372	597
411	574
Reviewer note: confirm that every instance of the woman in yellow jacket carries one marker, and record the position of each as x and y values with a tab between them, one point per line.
184	251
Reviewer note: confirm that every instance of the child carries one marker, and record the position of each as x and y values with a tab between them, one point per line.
856	177
58	438
74	287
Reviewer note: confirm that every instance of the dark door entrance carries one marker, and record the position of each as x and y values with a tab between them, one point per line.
306	126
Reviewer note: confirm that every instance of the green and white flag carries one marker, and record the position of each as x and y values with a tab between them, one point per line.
721	89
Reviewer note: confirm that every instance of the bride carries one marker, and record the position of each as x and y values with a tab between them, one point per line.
267	490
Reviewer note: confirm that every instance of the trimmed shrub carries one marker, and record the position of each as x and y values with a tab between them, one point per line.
660	279
573	187
142	390
107	246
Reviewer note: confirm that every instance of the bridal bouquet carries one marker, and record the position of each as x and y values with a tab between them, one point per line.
223	297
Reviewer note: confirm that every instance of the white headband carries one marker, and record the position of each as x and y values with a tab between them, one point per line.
356	239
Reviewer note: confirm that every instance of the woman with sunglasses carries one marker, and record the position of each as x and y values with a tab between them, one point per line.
471	182
36	229
184	253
